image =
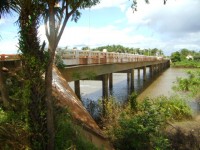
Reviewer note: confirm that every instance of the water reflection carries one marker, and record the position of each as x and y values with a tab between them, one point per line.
152	87
92	90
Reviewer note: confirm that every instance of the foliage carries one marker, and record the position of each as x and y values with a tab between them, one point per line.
4	7
122	49
175	57
139	126
14	136
140	130
179	58
59	62
133	101
173	108
190	84
68	135
187	64
14	133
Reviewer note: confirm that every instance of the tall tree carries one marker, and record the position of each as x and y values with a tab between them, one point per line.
4	7
56	16
3	91
34	64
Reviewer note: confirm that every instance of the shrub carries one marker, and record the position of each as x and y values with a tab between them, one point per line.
142	130
190	84
68	135
140	126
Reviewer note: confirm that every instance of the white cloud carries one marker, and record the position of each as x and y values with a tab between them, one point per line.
9	47
98	36
169	27
2	21
122	4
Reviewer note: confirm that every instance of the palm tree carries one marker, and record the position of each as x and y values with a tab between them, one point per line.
4	7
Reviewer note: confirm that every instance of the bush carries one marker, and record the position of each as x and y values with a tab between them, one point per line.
173	108
140	126
68	135
142	130
191	84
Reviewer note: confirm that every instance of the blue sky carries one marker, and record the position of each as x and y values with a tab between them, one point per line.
168	27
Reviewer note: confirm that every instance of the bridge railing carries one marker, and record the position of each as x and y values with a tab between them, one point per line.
9	57
77	57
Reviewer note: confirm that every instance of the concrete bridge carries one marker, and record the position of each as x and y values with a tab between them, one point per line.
82	65
11	61
95	65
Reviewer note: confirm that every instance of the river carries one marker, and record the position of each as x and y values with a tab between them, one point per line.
160	85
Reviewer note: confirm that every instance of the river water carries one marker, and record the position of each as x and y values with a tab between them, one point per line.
159	85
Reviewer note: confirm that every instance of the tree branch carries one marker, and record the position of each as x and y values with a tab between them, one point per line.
46	28
67	16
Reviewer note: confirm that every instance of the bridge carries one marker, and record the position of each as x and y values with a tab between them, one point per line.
82	65
10	61
96	65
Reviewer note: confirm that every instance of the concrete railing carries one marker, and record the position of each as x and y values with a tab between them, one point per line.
76	57
9	57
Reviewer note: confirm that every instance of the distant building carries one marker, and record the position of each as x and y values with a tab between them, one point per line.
189	57
104	50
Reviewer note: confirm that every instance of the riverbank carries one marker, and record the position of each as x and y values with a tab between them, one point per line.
186	64
184	134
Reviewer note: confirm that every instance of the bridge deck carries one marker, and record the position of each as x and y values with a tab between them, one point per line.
76	57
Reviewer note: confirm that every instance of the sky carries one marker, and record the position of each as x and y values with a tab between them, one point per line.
169	27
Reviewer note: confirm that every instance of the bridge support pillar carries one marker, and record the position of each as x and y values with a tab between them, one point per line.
77	88
138	73
105	86
156	69
132	79
128	77
110	81
104	92
160	67
144	73
151	70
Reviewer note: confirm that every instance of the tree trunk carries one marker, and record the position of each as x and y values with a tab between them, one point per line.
4	93
49	104
48	78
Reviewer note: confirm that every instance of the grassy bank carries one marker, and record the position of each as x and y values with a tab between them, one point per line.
186	64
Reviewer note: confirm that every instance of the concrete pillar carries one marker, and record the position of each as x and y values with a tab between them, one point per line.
156	68
144	73
151	69
132	79
110	81
77	88
104	92
138	73
105	86
160	67
128	77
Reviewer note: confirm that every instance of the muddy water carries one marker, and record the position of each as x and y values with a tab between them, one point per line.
163	83
160	85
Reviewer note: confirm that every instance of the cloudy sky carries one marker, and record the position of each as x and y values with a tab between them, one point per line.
169	27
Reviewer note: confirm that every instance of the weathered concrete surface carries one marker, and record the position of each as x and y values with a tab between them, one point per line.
67	98
79	72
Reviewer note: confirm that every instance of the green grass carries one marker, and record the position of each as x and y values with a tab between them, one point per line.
187	64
